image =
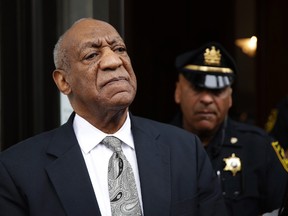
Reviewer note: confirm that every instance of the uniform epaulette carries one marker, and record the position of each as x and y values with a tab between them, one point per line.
251	129
280	154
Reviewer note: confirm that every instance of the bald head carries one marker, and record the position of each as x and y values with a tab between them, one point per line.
74	34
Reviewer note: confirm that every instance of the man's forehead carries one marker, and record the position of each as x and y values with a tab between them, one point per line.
91	34
98	42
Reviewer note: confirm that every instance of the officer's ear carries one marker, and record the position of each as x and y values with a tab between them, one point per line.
60	79
181	82
230	101
177	93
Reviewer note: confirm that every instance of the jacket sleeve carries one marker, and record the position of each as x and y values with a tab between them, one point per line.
11	202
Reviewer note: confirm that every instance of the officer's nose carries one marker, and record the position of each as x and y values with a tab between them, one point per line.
206	97
110	60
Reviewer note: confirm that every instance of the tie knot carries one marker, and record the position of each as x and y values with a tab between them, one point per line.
112	143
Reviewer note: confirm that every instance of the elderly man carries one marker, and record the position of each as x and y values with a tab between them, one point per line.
104	160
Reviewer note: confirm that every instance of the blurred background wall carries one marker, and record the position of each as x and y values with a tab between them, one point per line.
155	33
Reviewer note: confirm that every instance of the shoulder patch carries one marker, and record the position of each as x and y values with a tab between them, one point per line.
280	154
271	120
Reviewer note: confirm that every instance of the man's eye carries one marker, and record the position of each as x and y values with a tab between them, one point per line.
121	49
90	56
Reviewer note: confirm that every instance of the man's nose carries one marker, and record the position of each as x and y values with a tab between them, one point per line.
110	60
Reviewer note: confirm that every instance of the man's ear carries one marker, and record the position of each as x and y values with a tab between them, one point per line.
59	77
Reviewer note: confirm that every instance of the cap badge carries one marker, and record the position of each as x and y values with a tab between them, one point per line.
212	56
233	164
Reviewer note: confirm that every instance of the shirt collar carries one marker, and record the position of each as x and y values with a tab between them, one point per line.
89	136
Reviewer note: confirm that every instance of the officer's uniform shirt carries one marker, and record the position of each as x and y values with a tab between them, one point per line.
248	167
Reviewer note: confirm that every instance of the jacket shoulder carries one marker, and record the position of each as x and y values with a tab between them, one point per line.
149	124
248	128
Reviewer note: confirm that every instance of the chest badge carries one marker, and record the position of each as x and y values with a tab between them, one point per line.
233	164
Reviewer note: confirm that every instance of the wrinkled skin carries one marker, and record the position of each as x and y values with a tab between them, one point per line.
203	110
99	79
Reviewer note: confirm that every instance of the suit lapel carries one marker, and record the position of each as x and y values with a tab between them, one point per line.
154	169
70	178
69	175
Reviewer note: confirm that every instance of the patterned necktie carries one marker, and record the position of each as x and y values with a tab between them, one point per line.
121	183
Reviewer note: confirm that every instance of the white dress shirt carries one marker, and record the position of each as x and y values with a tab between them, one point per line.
97	156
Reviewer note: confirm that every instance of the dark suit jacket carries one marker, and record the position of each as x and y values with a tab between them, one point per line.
46	175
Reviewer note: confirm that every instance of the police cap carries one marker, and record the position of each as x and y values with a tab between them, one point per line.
209	67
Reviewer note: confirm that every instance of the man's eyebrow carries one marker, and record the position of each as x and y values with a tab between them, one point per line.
89	44
98	44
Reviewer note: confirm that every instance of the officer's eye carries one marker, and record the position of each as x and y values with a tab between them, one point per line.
217	91
197	88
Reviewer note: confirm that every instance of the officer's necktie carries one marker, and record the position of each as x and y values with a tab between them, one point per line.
121	182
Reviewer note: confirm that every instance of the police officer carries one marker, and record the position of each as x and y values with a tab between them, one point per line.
247	161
